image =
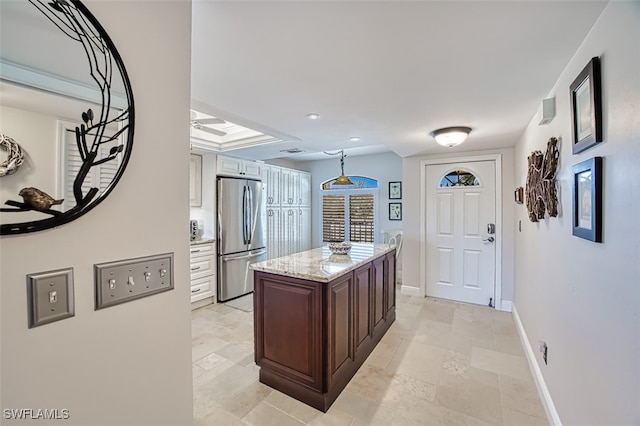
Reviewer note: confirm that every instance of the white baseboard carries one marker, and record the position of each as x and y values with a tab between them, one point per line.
410	291
543	391
506	306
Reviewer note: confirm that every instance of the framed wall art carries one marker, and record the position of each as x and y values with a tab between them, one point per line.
395	211
587	199
586	107
395	190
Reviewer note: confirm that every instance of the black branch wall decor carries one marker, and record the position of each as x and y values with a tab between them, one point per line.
540	191
91	137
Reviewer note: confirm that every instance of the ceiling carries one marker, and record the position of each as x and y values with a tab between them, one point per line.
388	72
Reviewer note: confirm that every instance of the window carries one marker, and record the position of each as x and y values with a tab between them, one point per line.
361	215
459	178
333	219
100	176
349	213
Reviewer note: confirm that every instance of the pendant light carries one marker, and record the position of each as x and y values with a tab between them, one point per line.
342	179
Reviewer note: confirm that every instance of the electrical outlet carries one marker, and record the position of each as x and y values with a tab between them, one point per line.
542	347
125	280
50	296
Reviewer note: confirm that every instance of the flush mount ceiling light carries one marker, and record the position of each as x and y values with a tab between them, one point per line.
354	139
313	116
451	136
342	179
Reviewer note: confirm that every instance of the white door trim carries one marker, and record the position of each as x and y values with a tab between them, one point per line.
497	158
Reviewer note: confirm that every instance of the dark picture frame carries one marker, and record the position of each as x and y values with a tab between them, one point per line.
395	190
587	199
586	107
395	211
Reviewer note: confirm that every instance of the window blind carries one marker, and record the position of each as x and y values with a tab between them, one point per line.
100	176
333	218
361	216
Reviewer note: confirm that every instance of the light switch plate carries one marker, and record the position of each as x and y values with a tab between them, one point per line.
125	280
50	296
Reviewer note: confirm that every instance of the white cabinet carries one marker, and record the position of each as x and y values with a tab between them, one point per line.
288	210
304	191
203	272
304	228
271	181
195	181
289	221
290	188
230	166
274	232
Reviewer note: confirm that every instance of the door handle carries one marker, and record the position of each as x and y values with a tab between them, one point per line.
489	240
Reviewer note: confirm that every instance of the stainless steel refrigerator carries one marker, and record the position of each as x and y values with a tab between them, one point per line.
240	235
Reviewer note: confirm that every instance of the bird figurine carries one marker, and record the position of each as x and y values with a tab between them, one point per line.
37	199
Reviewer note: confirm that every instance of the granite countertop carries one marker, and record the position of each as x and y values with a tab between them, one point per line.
202	241
320	264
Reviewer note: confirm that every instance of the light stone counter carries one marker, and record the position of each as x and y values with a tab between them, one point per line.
202	241
320	264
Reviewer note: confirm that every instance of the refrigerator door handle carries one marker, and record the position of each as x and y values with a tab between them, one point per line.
250	215
244	214
245	256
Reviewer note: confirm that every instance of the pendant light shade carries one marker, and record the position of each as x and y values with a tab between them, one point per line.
342	179
451	136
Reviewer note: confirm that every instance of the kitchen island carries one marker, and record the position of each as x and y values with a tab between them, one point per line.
319	315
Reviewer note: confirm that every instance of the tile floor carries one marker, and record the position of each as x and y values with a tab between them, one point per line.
440	363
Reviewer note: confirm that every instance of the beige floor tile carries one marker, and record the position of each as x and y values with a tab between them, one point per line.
508	344
267	415
219	417
521	396
472	398
438	311
501	363
241	403
210	361
417	360
512	417
333	417
402	387
381	355
370	382
426	413
204	344
294	408
361	409
440	363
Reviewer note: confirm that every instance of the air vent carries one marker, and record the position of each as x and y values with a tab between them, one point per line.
292	150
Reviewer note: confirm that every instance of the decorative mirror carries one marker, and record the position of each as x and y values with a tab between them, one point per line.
67	114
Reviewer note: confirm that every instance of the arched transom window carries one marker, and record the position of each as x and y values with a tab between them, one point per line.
459	178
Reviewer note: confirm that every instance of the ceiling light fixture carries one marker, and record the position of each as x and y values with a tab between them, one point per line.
313	116
342	179
354	139
451	136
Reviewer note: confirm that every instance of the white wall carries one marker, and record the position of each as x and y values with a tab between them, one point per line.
385	168
581	297
412	255
129	364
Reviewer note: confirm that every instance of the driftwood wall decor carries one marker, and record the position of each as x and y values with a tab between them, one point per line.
540	192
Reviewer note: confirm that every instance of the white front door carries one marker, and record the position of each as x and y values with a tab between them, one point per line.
461	249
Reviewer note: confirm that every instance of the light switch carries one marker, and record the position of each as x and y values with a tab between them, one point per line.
125	280
50	296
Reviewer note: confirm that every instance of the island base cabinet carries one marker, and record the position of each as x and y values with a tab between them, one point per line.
311	337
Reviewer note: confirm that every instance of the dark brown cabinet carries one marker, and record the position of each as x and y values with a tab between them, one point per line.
311	337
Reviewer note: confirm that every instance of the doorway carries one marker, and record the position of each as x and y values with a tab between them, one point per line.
462	228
